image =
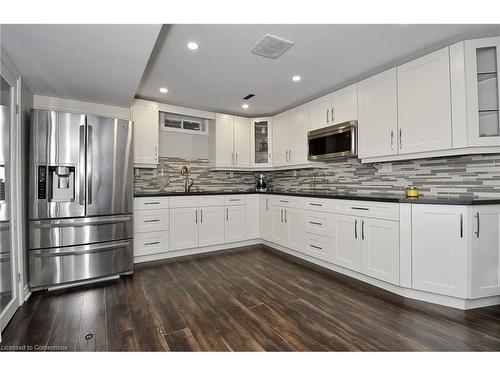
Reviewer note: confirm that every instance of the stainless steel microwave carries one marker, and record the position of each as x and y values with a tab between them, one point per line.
333	142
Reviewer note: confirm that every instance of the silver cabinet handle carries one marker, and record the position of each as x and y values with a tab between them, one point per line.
355	229
283	201
286	155
392	139
227	214
151	203
360	208
196	220
477	217
201	216
400	139
333	116
152	221
289	155
315	204
232	158
151	243
267	204
315	247
327	118
461	225
156	152
315	223
285	218
236	158
281	214
363	230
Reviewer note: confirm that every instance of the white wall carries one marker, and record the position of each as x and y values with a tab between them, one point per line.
68	105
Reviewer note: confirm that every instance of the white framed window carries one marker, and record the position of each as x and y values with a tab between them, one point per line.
183	124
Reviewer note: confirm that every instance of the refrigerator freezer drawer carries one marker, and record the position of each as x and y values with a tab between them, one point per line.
76	263
79	231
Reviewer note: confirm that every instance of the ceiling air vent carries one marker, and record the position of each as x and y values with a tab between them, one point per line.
249	96
271	46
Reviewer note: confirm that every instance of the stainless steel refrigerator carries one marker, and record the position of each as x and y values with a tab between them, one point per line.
81	197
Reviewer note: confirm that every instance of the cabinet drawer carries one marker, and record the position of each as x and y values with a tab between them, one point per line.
318	247
179	202
286	201
213	200
150	221
150	203
319	204
233	200
319	223
150	243
377	210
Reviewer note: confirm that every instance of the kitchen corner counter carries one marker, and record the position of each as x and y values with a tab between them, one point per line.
391	198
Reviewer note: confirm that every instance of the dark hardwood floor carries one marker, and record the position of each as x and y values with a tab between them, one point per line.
244	299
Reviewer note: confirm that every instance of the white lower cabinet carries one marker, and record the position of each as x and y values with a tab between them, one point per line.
346	241
252	213
294	227
440	249
211	226
485	251
380	249
235	224
151	243
183	228
278	229
318	246
265	218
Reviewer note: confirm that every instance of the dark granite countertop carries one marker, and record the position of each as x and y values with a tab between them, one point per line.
394	198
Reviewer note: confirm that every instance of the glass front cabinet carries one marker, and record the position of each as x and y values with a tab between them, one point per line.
261	142
482	64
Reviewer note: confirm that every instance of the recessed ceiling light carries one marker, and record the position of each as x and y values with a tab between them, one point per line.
244	106
163	90
192	46
296	78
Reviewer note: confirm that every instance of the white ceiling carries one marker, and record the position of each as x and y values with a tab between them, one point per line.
222	70
94	63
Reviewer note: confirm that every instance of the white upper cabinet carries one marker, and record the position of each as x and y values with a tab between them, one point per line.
300	124
146	128
224	156
281	136
321	115
261	146
482	64
485	251
424	103
242	134
378	115
440	249
344	105
232	141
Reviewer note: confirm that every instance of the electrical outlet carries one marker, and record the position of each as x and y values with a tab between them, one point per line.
231	174
294	173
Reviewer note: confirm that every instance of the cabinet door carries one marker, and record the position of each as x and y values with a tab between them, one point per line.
378	115
278	228
300	123
424	103
211	226
347	241
224	156
183	228
281	132
482	64
252	212
261	142
294	223
146	128
242	133
439	249
235	223
485	251
380	249
321	112
345	105
265	218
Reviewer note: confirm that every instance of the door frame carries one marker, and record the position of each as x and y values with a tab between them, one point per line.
12	76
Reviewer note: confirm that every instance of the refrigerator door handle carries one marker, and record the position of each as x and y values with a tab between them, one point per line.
81	167
89	164
81	222
74	250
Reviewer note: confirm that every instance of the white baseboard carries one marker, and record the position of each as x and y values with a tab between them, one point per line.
193	251
458	303
26	293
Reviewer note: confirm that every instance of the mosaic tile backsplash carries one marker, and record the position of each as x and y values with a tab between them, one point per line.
458	176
